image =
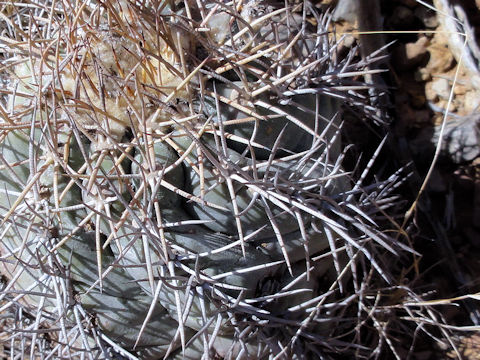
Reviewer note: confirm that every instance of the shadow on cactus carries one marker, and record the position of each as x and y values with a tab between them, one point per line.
172	183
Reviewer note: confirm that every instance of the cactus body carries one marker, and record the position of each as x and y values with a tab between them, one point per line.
171	183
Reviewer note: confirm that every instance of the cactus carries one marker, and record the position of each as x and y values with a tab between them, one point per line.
172	182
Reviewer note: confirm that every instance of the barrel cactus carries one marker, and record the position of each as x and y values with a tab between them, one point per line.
172	182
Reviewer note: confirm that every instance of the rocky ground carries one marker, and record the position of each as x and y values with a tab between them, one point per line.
423	74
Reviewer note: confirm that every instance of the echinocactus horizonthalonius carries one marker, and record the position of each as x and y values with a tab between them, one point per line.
172	182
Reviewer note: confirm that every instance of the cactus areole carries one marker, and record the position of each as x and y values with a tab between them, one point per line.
171	180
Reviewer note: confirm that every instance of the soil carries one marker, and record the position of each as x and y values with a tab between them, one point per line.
445	228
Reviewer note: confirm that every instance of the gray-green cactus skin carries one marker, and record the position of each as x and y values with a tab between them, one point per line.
276	130
175	215
125	296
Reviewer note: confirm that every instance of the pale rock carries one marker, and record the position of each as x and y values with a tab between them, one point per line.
407	56
441	87
443	104
441	59
460	89
346	10
422	75
472	101
460	141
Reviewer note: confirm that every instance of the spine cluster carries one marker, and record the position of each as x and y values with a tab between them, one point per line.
172	182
